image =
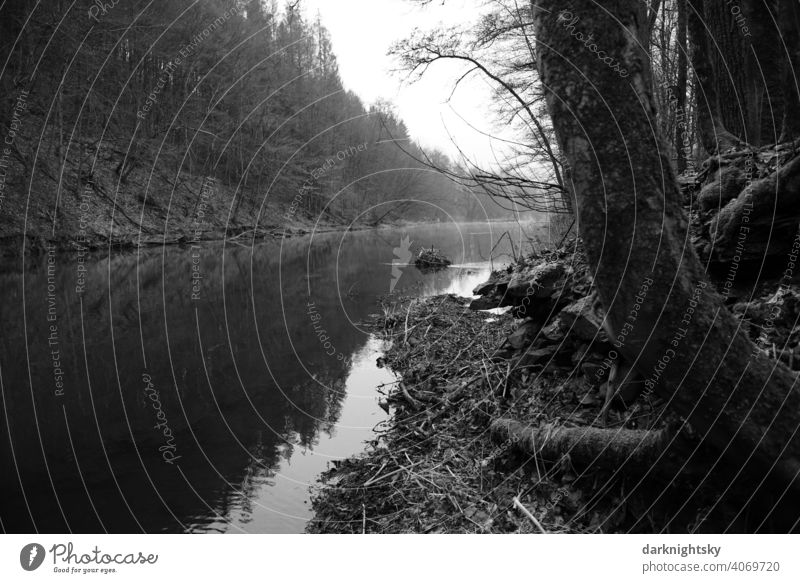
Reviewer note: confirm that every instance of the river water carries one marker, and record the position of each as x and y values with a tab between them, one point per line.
205	389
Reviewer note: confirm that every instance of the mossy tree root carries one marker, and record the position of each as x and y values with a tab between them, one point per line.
586	446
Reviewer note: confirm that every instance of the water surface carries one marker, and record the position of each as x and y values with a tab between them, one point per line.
204	389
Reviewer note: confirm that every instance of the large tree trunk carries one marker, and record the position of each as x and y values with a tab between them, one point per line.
635	234
765	63
789	22
727	51
743	55
682	123
714	136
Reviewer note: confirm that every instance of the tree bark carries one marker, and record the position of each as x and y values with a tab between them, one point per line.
714	136
586	446
727	50
789	22
742	53
765	63
635	233
682	123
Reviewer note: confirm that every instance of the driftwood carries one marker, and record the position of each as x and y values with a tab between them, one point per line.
586	446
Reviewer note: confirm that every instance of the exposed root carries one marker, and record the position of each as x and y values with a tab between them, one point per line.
586	446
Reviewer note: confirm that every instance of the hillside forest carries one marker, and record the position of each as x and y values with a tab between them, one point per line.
137	122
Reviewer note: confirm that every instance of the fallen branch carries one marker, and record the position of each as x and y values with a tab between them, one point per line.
416	405
521	507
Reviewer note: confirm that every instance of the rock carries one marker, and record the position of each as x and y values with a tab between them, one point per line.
589	400
484	288
582	319
496	285
577	356
540	281
541	310
523	335
728	182
595	373
537	356
761	221
484	303
553	331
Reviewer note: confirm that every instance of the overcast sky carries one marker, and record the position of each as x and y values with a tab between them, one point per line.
362	32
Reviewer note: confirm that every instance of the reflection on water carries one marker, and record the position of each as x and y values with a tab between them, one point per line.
201	389
284	508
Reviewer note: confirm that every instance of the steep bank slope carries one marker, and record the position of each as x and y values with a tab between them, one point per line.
144	207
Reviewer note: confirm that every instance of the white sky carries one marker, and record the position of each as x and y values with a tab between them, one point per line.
362	32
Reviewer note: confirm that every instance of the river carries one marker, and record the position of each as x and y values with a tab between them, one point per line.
204	389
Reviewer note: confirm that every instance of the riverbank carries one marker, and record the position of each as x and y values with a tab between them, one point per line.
12	246
74	210
505	422
90	222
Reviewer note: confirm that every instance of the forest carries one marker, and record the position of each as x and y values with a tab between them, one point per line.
119	113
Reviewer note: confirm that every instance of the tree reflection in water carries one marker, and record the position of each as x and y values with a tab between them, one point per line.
255	402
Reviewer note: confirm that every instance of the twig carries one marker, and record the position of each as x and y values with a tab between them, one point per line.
513	251
368	482
390	474
376	479
411	400
467	347
408	312
508	374
486	374
572	224
531	517
450	396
